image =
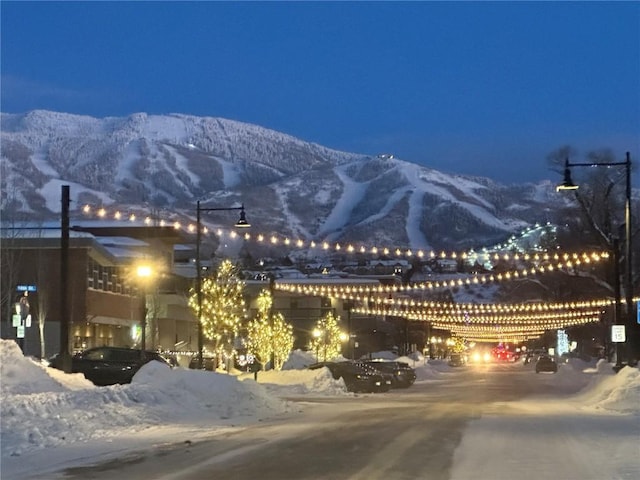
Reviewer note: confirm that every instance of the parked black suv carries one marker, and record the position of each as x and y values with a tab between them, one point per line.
109	365
402	375
357	376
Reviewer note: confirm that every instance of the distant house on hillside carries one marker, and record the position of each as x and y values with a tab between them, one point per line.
445	265
389	267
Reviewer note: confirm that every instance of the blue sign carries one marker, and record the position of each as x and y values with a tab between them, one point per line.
26	288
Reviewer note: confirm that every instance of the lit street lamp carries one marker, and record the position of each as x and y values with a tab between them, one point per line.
324	337
346	338
241	223
568	184
144	273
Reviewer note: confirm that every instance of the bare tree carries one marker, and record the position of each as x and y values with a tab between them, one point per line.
10	257
557	157
42	302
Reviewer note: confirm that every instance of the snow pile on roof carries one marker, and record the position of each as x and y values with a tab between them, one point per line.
383	355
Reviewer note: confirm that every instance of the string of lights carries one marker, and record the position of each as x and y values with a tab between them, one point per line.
480	308
551	319
461	330
505	252
362	291
505	319
496	337
514	319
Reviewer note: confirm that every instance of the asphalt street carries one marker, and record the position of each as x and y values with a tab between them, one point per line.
403	434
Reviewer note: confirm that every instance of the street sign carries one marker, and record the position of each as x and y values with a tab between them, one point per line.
20	333
16	320
26	288
618	334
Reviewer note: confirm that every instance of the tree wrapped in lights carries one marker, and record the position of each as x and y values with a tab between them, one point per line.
459	345
282	334
223	308
269	336
327	338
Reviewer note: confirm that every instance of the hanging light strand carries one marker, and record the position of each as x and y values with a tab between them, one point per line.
334	290
508	251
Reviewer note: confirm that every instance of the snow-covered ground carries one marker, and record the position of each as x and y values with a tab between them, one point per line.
50	420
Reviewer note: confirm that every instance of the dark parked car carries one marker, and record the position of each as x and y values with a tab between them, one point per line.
109	365
457	360
357	376
546	364
401	374
208	363
532	357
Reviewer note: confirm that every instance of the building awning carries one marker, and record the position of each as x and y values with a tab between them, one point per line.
123	322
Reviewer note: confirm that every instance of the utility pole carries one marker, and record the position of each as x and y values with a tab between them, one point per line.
65	355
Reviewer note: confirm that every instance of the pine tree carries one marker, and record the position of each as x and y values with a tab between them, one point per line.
223	308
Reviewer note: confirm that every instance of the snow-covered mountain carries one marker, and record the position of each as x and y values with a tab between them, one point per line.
289	186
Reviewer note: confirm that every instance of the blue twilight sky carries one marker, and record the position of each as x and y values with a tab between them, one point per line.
482	88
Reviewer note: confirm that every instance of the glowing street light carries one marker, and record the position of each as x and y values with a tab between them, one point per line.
144	274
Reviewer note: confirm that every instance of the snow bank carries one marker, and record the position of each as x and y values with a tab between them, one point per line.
15	369
614	392
298	360
297	382
38	409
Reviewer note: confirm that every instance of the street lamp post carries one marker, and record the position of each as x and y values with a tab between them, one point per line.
144	273
345	337
65	354
318	333
568	184
348	305
241	223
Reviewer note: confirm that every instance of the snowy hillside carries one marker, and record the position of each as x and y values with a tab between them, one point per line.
289	186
